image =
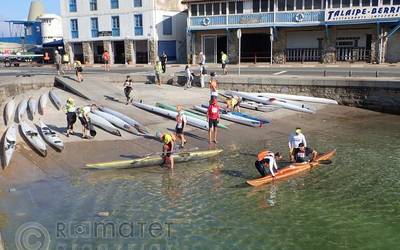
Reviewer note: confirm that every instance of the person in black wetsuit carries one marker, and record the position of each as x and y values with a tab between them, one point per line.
304	154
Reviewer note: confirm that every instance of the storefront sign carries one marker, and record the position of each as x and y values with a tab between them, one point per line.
105	33
362	13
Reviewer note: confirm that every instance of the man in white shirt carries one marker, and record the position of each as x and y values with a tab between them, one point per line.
294	141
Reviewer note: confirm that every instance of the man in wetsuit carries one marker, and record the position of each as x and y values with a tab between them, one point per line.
304	154
267	160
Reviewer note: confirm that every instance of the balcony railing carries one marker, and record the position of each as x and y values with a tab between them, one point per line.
138	31
115	32
74	34
95	33
353	54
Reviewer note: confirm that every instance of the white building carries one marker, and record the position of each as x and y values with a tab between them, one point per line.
133	31
51	25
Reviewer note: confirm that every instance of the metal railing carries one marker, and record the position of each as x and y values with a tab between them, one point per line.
353	54
303	55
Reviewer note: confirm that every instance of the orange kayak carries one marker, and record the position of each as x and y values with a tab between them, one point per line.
292	169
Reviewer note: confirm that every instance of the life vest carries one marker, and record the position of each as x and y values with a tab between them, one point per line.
264	154
70	107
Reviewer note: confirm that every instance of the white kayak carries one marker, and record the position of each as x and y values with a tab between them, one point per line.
32	105
202	124
9	143
9	110
43	102
103	124
51	137
252	105
21	109
115	121
233	118
272	101
142	129
56	100
32	136
299	98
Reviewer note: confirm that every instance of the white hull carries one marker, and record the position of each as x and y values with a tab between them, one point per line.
32	136
233	118
127	119
51	137
56	100
115	121
9	143
43	102
299	98
104	124
21	110
32	104
9	110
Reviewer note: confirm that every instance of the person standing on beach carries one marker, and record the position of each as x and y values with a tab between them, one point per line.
128	89
66	62
58	62
189	77
106	60
70	110
158	71
213	114
164	59
202	62
181	122
78	70
168	141
213	85
83	115
294	141
224	60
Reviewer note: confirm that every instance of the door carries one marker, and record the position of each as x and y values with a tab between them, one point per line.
119	52
221	46
209	48
169	47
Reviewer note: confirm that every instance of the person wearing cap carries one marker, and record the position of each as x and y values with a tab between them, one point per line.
181	122
303	154
70	111
233	103
213	115
267	160
213	85
294	141
168	141
158	71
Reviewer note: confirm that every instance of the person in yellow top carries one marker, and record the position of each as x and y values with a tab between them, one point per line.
158	70
66	61
70	110
78	70
224	61
233	103
168	141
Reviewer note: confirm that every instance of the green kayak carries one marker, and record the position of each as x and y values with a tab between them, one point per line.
155	160
190	113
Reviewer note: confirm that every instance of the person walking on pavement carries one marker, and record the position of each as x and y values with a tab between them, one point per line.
164	59
203	71
224	60
106	60
70	111
78	70
189	77
58	62
158	71
128	89
66	62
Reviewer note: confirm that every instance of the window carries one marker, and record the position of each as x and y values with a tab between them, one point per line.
271	5
317	5
72	6
216	8
137	3
308	4
356	2
94	23
239	7
366	3
264	5
299	4
336	4
138	25
375	2
209	9
256	6
386	2
345	3
115	25
290	5
396	2
201	9
281	5
74	28
114	4
193	9
231	7
167	25
93	5
223	8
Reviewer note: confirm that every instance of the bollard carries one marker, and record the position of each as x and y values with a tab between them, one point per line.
324	72
376	74
350	73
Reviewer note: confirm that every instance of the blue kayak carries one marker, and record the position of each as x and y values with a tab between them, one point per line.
244	115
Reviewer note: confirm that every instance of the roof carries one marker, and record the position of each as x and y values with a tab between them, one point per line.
21	22
199	1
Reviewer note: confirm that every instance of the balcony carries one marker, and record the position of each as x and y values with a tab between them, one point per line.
293	18
95	33
74	34
115	32
138	31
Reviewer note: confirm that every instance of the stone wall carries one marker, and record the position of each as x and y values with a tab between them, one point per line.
68	50
329	46
279	47
130	55
233	46
87	53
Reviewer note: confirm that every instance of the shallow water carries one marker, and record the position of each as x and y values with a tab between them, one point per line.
353	203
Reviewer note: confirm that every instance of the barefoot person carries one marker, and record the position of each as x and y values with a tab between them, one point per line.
181	121
128	89
267	160
294	141
158	72
83	113
106	60
213	114
78	70
189	77
70	110
213	85
233	104
168	141
224	60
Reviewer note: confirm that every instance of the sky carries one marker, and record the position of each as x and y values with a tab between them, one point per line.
19	9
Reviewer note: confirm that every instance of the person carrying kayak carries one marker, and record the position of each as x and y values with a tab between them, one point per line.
267	160
213	114
128	89
181	122
83	115
294	141
168	141
233	103
304	154
70	111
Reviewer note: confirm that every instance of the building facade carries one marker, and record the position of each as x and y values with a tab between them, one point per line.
51	28
282	31
133	31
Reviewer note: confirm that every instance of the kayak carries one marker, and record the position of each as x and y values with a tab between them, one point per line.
156	160
241	114
9	111
43	102
51	137
32	136
56	100
9	143
252	105
187	113
103	123
202	124
115	121
142	129
292	170
273	101
233	118
32	105
21	109
300	98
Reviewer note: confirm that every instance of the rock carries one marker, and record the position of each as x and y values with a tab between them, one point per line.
103	214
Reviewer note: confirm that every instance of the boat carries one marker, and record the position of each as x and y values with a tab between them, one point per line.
156	159
233	118
32	136
43	102
103	124
241	114
252	105
21	109
115	121
202	124
51	137
299	98
291	170
187	113
142	129
32	105
55	99
9	143
272	101
9	110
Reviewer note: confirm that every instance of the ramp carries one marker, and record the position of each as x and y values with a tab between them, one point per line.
78	88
